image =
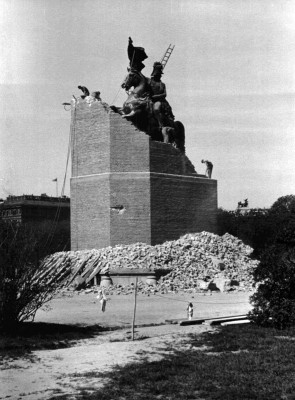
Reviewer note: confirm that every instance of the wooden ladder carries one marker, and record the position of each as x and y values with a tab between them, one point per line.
167	55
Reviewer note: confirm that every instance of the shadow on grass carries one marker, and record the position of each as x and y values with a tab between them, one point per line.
29	336
238	362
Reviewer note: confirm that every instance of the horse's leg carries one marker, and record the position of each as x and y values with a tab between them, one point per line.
132	113
179	136
165	134
157	108
129	115
118	110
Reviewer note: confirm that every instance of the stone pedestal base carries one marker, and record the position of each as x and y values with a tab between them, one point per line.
126	188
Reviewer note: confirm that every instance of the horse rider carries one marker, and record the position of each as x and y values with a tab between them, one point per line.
160	105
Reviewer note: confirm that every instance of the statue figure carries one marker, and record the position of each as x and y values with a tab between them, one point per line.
96	95
243	204
85	91
146	105
93	97
161	107
89	98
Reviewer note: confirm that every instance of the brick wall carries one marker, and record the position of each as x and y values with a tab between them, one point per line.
132	222
90	216
90	139
166	159
126	188
129	148
180	205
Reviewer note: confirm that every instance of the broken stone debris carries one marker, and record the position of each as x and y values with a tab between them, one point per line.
195	262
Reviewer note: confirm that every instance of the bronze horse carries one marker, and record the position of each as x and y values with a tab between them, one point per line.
243	204
138	108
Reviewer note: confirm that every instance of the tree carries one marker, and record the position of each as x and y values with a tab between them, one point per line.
22	289
284	205
274	300
272	235
254	227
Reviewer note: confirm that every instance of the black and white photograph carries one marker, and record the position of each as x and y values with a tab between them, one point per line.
147	199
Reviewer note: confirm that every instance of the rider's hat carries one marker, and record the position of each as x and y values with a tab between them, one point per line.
158	68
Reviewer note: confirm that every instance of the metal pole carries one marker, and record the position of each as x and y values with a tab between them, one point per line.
56	187
134	310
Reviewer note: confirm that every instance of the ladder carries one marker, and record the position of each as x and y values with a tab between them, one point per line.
167	55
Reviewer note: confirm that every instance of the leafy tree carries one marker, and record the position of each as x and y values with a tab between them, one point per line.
259	228
272	235
284	205
254	227
226	222
22	289
274	300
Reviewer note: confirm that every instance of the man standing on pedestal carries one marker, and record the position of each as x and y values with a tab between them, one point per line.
209	168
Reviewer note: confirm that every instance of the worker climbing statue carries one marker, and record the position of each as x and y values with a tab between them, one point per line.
146	105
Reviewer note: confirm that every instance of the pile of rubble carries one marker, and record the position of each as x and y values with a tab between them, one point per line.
199	261
209	262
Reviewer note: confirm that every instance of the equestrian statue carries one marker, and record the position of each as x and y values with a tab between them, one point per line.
146	105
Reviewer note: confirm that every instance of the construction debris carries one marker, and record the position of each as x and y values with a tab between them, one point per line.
195	262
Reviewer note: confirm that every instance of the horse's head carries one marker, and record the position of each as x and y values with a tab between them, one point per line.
132	79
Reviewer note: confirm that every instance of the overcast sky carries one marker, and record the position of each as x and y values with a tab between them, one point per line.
230	80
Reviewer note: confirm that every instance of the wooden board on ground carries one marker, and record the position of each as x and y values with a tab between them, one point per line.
243	321
218	321
209	321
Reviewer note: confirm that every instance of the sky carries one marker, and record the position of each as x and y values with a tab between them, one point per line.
230	80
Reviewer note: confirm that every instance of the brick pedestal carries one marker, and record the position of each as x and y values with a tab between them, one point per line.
126	188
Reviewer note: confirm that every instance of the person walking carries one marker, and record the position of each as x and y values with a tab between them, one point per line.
190	311
102	299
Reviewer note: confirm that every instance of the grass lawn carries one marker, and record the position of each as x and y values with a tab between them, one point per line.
235	362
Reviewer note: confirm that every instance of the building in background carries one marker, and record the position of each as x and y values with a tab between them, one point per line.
50	216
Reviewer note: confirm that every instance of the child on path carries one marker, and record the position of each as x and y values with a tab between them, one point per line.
102	299
190	311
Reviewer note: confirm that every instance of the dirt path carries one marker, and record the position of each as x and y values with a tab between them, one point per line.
49	372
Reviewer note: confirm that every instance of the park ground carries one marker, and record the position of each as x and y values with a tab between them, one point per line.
82	338
73	350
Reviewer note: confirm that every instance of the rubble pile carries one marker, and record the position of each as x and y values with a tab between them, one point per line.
208	262
199	261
